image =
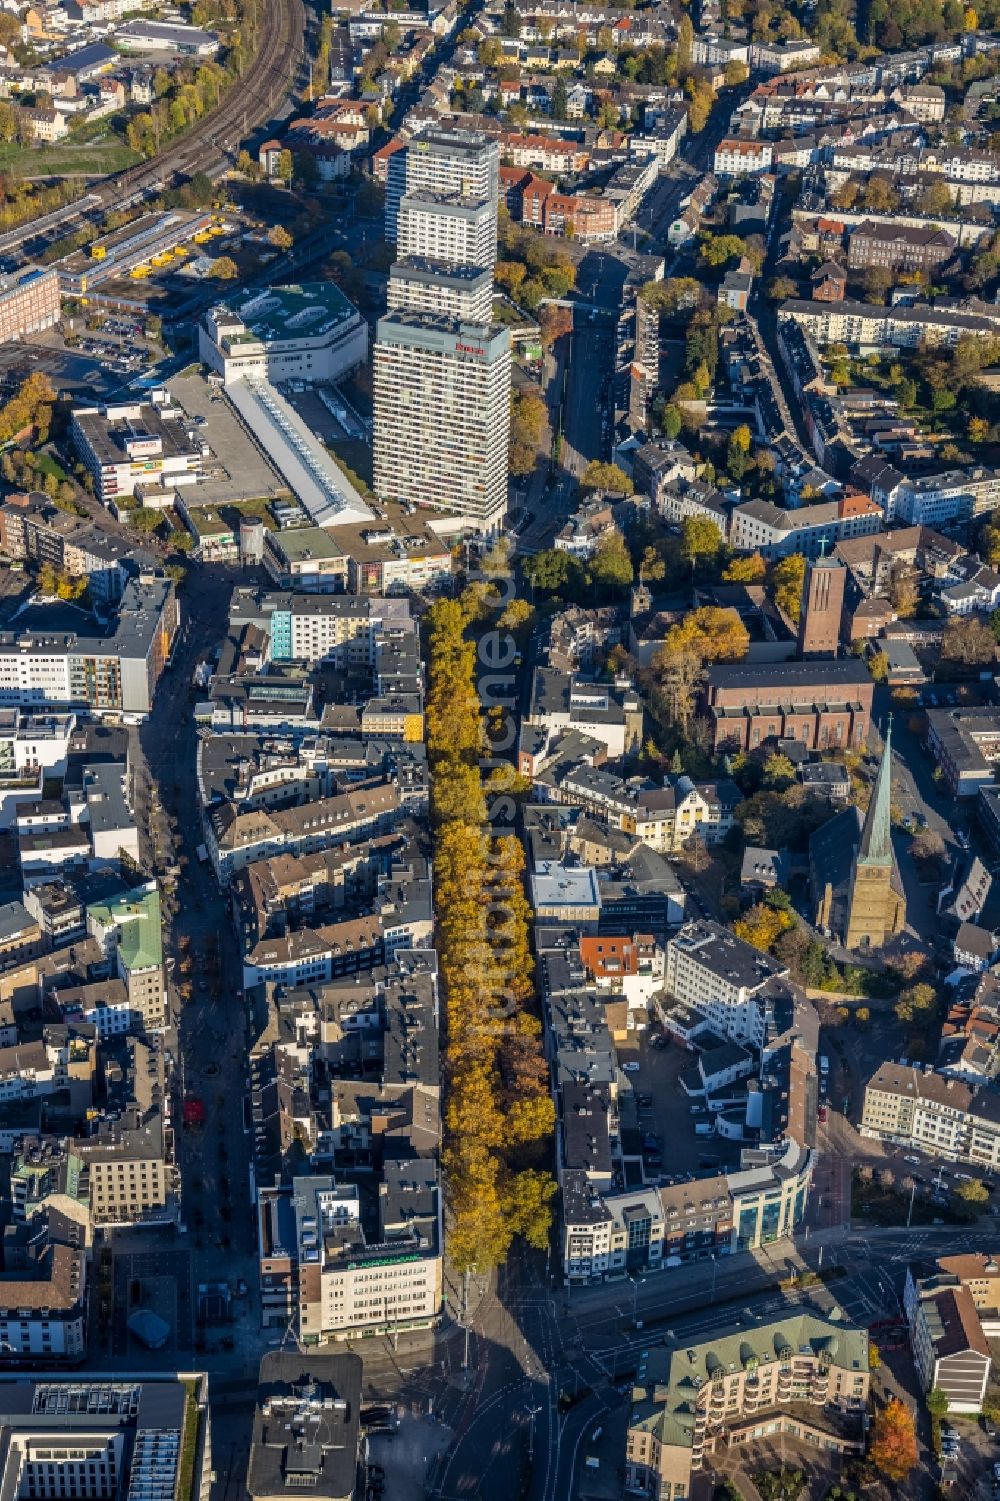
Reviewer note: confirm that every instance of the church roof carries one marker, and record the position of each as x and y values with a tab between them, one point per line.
876	834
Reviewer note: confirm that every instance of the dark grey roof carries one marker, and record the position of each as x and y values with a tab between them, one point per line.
307	1423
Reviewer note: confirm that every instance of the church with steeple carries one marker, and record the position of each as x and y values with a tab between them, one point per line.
856	886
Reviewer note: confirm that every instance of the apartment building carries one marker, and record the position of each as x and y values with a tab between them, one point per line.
868	327
811	530
418	284
897	247
29	303
441	160
713	973
234	838
33	529
115	673
341	630
950	1349
316	955
128	928
666	818
449	227
442	415
736	156
694	1399
43	1305
943	1116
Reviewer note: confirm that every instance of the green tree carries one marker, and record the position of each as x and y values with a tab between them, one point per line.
611	565
671	422
937	1403
779	772
552	572
780	288
701	540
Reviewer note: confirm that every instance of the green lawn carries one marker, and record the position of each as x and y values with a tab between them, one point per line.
46	464
63	158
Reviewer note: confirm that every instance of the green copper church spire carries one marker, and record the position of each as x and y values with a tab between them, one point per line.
876	835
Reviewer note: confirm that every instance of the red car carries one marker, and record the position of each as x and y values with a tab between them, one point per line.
822	1113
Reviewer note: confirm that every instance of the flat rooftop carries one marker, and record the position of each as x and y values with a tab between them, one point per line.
310	473
301	310
108	431
555	885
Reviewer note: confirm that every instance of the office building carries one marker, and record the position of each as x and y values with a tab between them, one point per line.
306	1428
712	972
442	415
98	1438
336	1281
803	1375
308	332
448	227
29	303
421	285
950	1348
133	444
606	1234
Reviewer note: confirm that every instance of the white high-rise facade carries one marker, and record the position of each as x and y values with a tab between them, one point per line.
458	163
446	227
442	414
420	284
441	367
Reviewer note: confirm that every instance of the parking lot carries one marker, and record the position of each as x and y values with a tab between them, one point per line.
240	470
665	1111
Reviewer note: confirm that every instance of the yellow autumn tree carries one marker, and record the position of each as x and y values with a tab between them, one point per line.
762	926
745	570
787	577
716	635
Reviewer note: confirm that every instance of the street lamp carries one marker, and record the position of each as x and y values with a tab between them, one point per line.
635	1281
532	1413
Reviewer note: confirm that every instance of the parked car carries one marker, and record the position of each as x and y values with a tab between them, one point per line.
630	1068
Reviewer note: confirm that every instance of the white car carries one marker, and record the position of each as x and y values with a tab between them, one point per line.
912	1159
630	1068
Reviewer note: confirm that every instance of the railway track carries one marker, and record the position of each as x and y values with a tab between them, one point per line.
247	105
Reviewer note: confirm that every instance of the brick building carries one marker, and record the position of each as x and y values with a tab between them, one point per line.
820	704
